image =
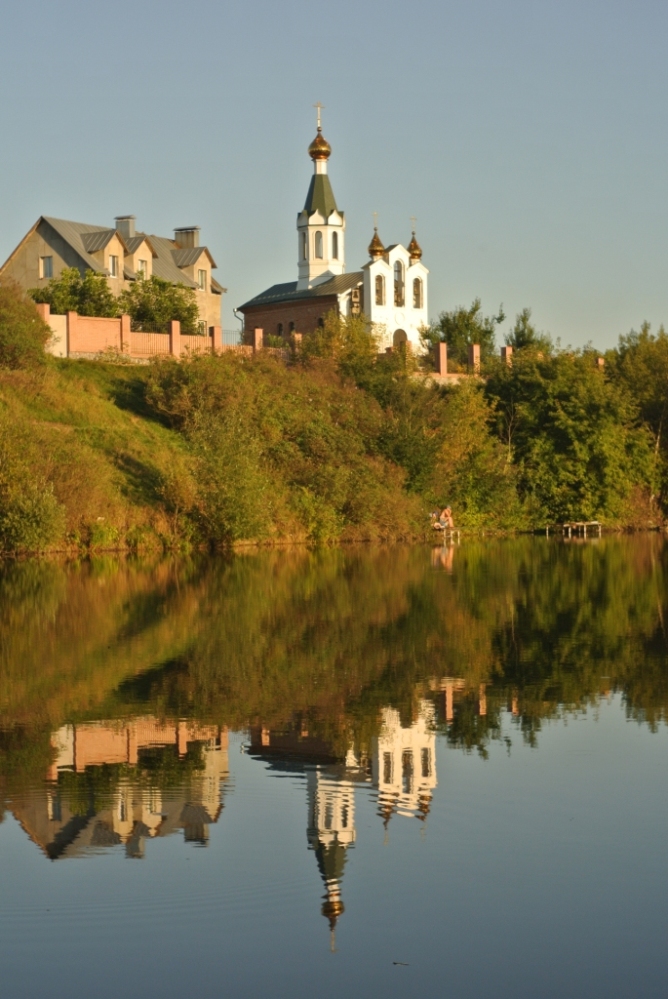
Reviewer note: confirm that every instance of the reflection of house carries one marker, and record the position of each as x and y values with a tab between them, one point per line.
404	763
108	786
450	685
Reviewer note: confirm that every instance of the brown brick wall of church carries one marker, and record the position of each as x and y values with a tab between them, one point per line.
304	315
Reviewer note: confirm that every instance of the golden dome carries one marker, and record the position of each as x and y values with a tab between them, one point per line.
320	148
376	248
414	248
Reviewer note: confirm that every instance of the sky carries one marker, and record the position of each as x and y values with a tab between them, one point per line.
528	137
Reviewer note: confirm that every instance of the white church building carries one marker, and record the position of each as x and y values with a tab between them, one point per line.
390	289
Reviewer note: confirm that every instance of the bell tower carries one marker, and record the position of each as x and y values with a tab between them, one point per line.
320	225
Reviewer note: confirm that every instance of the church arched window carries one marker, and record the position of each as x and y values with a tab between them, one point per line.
398	283
380	289
417	293
279	329
304	246
335	246
318	245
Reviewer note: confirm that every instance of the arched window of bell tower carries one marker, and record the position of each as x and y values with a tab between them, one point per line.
318	245
380	289
417	293
398	283
304	242
335	246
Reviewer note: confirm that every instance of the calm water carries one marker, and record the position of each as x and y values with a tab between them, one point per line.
383	772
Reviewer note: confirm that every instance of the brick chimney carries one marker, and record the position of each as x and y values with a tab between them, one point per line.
125	224
187	237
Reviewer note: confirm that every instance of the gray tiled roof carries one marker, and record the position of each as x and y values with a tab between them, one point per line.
188	256
288	292
94	241
167	256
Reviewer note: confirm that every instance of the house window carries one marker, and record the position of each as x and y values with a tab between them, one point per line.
426	762
142	267
321	322
318	245
417	293
304	247
113	265
279	329
398	283
335	246
201	280
46	267
291	327
380	289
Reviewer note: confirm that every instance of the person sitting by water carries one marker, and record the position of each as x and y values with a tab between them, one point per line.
443	521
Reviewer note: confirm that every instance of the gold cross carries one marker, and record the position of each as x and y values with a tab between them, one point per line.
375	220
413	223
319	107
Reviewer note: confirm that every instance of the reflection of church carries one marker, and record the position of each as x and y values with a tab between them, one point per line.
390	289
107	786
401	765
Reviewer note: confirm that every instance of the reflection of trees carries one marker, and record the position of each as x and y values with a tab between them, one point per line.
323	641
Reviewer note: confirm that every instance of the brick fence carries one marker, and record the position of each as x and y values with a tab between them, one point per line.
93	336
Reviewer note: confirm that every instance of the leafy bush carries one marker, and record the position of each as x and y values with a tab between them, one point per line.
89	295
23	334
31	518
154	301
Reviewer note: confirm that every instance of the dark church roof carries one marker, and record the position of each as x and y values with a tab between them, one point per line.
288	292
320	197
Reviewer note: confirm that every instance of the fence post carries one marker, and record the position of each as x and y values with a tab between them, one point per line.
507	355
44	310
600	363
216	334
442	358
258	339
71	328
125	335
175	338
474	358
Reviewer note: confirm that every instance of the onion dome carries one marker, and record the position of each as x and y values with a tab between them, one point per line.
414	248
320	148
376	248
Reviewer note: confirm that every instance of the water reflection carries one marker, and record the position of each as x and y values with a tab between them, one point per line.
112	783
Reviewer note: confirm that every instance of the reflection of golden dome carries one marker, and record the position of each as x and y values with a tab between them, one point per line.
320	148
332	909
376	248
414	249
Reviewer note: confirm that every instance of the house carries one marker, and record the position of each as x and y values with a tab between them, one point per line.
120	253
391	289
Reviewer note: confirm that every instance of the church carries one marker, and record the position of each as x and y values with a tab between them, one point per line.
390	289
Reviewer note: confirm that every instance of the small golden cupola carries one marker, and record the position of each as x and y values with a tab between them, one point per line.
320	148
376	248
414	248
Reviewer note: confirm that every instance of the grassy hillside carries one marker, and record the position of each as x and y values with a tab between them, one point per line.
340	444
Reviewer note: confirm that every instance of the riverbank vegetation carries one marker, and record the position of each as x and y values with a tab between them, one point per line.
338	443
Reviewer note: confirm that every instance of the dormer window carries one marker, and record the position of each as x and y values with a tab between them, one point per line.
142	267
398	283
318	245
113	265
335	246
417	293
380	289
201	280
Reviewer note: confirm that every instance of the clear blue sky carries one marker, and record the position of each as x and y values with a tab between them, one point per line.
529	138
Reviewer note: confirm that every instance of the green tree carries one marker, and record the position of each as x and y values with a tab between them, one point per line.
23	334
573	435
525	336
463	327
89	295
154	301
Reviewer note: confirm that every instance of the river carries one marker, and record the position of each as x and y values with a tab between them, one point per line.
389	771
